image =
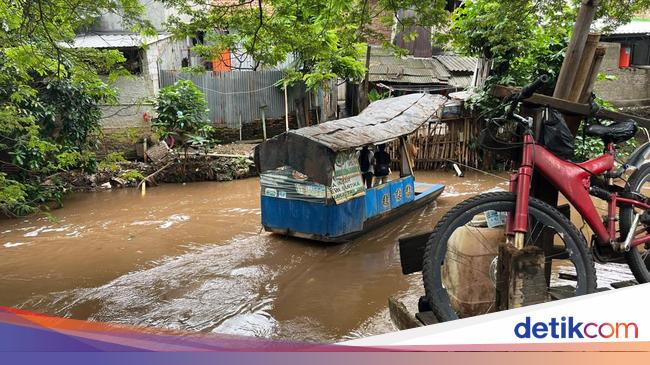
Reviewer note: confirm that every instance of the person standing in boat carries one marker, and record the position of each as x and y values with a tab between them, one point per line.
381	165
365	164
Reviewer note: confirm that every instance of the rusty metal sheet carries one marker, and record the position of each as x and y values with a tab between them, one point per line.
312	150
455	63
382	121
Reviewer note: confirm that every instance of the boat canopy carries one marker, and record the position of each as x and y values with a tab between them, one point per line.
313	150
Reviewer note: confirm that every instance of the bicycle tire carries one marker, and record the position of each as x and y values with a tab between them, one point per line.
462	213
639	265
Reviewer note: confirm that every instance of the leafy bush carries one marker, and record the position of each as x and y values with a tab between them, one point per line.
46	128
375	95
50	95
112	162
132	175
182	114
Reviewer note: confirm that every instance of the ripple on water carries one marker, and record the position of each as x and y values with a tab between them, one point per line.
164	224
14	244
199	290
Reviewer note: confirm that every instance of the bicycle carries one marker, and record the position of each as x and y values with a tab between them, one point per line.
465	240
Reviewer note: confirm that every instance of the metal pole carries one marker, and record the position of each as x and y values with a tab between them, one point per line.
263	122
286	107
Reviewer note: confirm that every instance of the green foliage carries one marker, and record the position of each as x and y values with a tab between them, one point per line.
374	95
327	38
50	94
525	39
132	175
182	111
112	162
522	38
587	147
12	193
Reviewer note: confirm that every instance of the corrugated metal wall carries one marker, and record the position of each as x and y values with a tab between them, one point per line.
239	95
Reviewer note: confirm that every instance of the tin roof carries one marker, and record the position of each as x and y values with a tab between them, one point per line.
312	150
382	121
438	70
461	81
455	63
386	67
634	27
115	40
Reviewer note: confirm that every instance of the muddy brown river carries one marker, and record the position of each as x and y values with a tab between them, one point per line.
193	257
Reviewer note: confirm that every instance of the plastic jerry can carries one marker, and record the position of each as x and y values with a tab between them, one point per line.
471	250
625	57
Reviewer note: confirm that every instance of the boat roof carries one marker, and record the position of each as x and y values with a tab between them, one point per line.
312	150
381	122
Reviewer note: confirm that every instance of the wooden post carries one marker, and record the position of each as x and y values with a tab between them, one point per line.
144	147
363	92
593	74
240	129
582	77
585	67
520	277
575	49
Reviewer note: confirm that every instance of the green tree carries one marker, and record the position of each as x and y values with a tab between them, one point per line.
49	94
182	114
525	38
326	38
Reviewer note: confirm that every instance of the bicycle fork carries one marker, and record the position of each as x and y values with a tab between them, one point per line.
520	182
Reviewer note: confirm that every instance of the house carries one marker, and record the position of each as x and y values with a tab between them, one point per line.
440	74
628	61
145	57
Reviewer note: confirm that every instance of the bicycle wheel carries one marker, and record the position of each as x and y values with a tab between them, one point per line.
461	255
637	258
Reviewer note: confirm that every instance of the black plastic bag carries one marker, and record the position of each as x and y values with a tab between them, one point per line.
556	136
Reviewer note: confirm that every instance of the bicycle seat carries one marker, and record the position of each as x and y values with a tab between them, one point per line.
618	132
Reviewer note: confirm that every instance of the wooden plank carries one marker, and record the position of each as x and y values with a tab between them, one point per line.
624	284
584	69
427	318
562	292
520	277
575	49
569	107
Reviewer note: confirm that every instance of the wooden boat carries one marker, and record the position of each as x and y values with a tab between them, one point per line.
311	181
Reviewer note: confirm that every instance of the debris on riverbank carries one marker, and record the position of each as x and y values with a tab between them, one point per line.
223	163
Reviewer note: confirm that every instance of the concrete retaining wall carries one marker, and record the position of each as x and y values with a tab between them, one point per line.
632	84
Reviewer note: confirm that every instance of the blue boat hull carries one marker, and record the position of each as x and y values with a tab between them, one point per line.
342	222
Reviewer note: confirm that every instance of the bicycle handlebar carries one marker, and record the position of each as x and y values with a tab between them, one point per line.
530	89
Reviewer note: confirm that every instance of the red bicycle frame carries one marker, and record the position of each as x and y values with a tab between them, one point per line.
574	182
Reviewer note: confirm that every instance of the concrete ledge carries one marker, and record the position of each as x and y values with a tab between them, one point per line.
631	103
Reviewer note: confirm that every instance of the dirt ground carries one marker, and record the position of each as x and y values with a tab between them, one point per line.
234	149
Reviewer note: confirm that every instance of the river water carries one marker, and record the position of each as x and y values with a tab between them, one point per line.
193	257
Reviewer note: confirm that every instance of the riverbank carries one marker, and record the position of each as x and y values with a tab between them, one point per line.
222	163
